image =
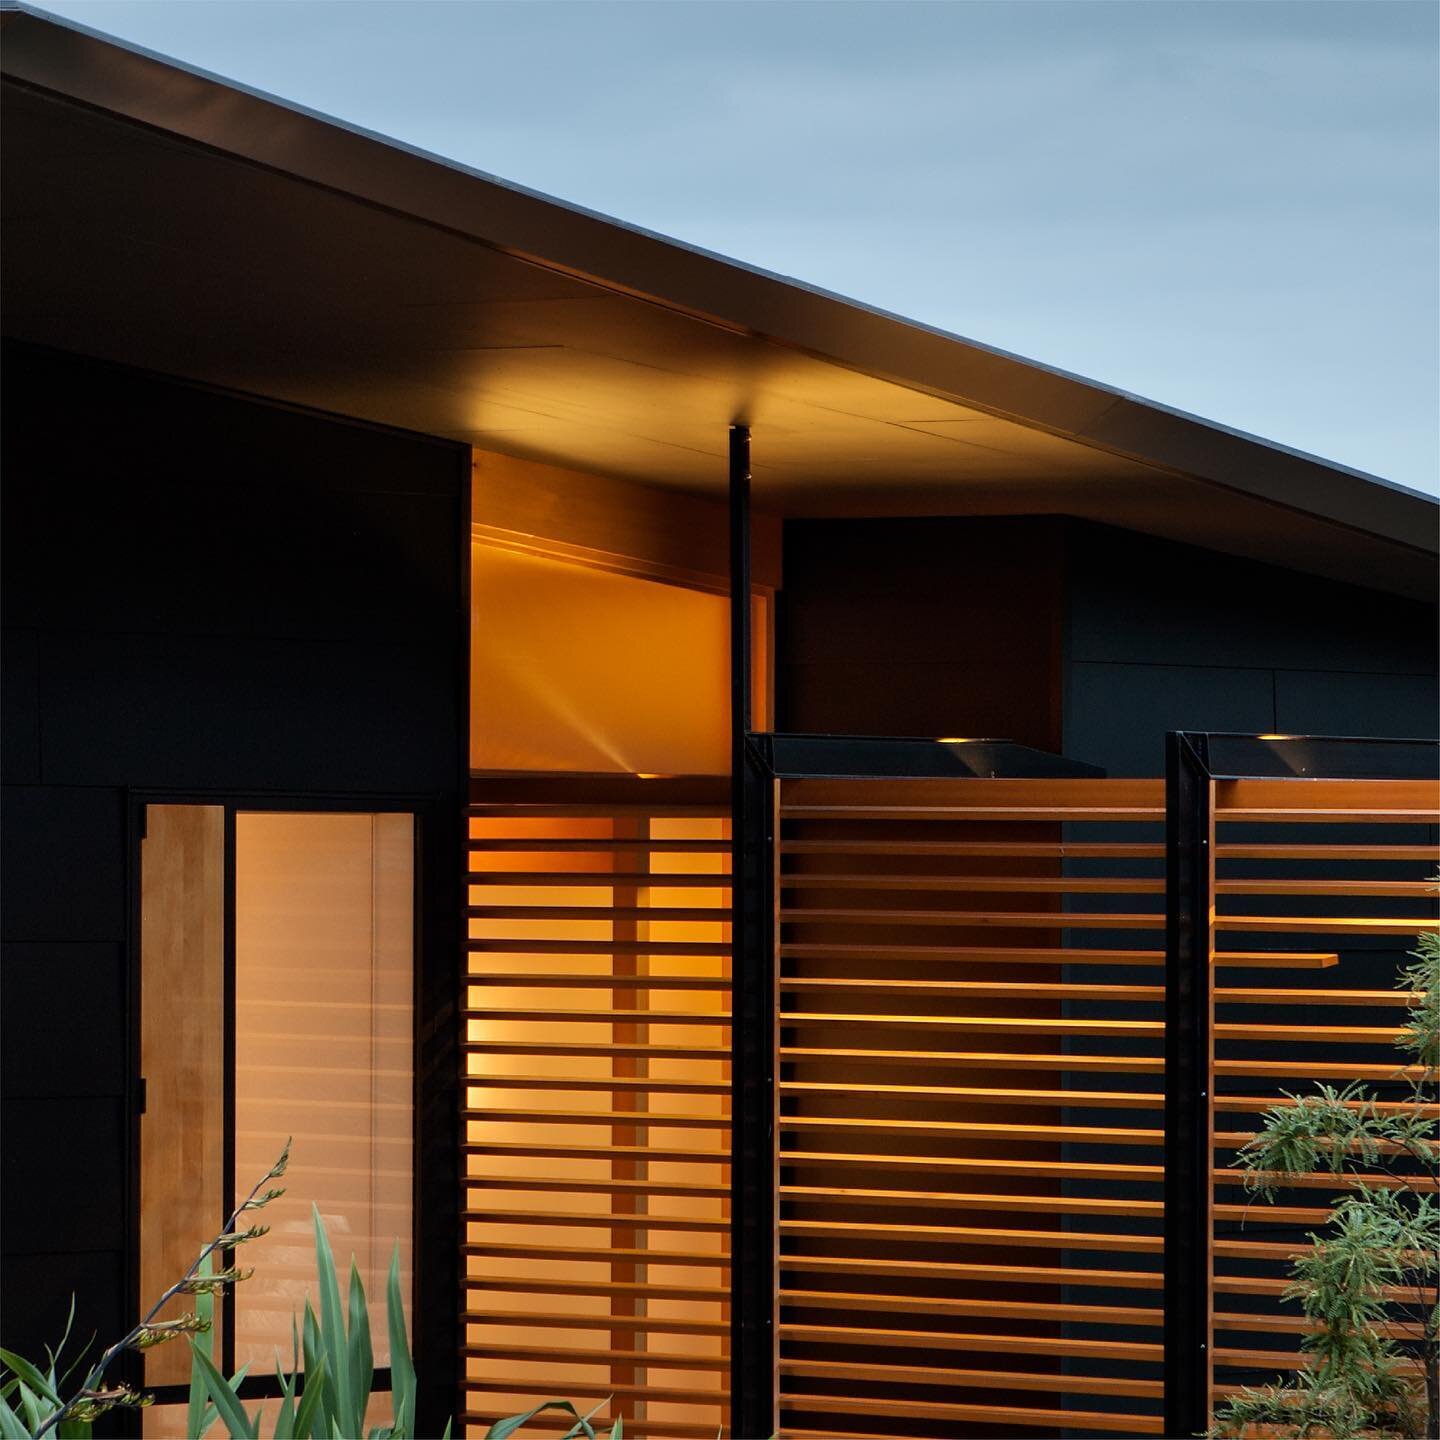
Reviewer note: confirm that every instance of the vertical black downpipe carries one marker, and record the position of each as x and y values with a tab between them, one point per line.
752	1223
1189	827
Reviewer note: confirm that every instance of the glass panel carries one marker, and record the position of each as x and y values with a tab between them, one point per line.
182	999
324	959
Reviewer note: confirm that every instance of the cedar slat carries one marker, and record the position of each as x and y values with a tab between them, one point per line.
613	811
991	954
977	815
556	1151
601	879
603	1082
568	1320
1259	814
972	1379
563	845
990	1236
1325	887
544	1285
977	919
1257	1104
871	1304
987	1060
545	1184
965	1166
979	849
567	1355
642	1119
1031	1204
980	989
635	1428
555	1047
983	1024
671	1394
607	913
1325	924
519	980
995	1343
1119	1099
958	1270
1025	1418
599	1017
510	946
1344	851
600	1254
979	884
1053	1134
584	1218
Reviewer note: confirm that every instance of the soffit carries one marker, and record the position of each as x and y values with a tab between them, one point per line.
125	242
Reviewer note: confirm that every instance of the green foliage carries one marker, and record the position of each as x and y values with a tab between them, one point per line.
326	1398
331	1394
1378	1260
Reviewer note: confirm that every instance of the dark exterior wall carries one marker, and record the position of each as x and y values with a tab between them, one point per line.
1165	637
922	627
206	593
1083	639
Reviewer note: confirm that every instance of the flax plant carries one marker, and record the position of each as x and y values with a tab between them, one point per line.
325	1399
1370	1283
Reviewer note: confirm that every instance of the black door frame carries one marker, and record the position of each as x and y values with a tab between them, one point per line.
435	1300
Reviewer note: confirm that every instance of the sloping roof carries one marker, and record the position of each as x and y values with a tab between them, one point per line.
166	218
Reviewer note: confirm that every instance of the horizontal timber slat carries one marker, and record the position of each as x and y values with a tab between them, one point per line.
649	1084
601	879
1120	1099
606	914
1118	1422
995	1274
545	1286
686	948
1120	1241
871	1304
694	1259
989	954
568	1355
607	1219
569	1320
987	1379
1050	1134
995	1343
977	919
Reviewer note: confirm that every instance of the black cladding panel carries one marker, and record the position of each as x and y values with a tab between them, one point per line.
210	593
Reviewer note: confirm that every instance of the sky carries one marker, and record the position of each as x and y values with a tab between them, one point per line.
1228	206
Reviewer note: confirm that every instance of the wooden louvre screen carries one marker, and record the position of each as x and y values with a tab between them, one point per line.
1344	867
596	1123
972	996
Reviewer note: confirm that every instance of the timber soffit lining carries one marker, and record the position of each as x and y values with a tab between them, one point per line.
494	315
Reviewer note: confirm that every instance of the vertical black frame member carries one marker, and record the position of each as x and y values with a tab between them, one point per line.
752	1073
1189	866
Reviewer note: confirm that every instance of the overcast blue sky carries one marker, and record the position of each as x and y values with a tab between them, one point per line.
1230	206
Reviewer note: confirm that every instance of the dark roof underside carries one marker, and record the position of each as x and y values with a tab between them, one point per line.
164	219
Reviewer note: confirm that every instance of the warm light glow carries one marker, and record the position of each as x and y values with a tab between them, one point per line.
555	1098
324	974
577	668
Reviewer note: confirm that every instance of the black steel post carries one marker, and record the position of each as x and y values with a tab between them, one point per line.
1189	1015
753	1179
